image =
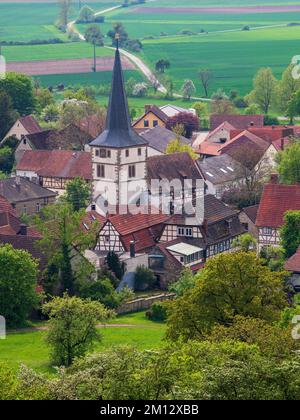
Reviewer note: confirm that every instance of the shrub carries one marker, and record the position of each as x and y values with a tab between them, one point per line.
158	312
144	278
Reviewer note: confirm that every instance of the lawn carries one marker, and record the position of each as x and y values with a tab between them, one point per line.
30	349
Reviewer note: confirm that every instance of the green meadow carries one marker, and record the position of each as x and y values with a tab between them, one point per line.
29	348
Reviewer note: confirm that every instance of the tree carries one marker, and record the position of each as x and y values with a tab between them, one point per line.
201	109
186	281
118	29
7	159
114	264
86	15
245	242
72	327
44	99
223	107
287	87
19	88
64	242
65	8
94	35
290	233
162	65
206	78
289	163
7	114
229	285
264	89
144	278
293	106
140	90
188	89
189	121
18	282
78	194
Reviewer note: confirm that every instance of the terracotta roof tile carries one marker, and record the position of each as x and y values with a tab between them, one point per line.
238	121
275	202
251	212
293	263
30	124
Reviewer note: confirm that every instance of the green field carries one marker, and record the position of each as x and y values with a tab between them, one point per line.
29	347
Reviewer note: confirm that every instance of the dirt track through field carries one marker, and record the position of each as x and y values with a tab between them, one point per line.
38	68
218	10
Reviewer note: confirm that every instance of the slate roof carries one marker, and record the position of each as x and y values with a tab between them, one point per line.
276	200
159	137
238	121
215	210
57	163
220	169
174	166
23	190
118	132
30	124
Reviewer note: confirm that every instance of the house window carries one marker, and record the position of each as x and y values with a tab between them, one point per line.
146	123
108	153
139	152
97	153
182	231
131	171
103	153
155	123
24	140
267	231
37	208
24	211
100	171
127	153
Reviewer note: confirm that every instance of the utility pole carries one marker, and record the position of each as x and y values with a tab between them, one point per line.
95	62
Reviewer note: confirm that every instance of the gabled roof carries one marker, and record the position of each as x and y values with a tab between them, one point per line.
154	110
251	212
215	210
276	200
176	110
118	132
224	126
40	140
238	121
281	143
293	263
268	133
21	189
5	206
174	166
159	137
209	148
30	124
57	163
220	169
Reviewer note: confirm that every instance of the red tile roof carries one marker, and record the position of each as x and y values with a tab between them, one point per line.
210	149
5	206
293	263
281	143
57	163
268	133
30	124
238	121
275	202
90	217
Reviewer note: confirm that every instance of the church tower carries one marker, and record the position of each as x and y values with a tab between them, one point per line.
119	154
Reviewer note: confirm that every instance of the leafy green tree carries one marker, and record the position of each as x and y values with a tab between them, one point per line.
93	35
20	89
18	282
290	233
188	89
114	265
7	159
78	194
206	78
187	120
44	98
86	15
119	30
162	65
289	163
229	285
274	257
264	89
144	278
287	87
64	242
7	114
201	109
186	281
246	242
72	327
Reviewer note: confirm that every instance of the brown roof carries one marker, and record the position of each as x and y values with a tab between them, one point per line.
171	167
5	206
23	190
268	133
238	121
156	111
209	148
276	200
40	140
30	124
251	212
293	263
57	163
92	125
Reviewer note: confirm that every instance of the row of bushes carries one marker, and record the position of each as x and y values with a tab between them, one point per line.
33	42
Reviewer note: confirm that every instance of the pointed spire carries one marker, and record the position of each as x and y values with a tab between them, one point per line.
119	132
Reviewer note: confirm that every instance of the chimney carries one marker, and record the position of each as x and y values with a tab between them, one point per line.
23	230
132	249
274	179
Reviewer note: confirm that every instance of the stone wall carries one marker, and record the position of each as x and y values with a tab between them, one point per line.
143	303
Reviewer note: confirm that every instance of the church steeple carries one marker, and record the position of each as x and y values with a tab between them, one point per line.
118	132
